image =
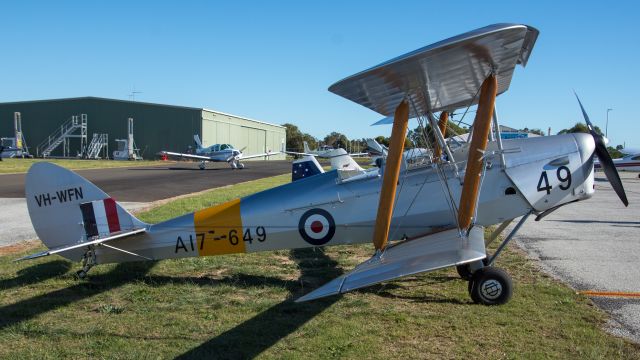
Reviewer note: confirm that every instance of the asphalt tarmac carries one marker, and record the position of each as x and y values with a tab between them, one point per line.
595	246
16	225
146	184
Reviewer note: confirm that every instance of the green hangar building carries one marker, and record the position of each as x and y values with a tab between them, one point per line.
156	127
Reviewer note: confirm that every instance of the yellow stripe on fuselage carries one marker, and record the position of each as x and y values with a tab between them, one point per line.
219	229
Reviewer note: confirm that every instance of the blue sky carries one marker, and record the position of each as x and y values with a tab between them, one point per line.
274	61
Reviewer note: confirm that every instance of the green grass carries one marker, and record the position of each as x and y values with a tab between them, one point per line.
210	198
240	306
22	165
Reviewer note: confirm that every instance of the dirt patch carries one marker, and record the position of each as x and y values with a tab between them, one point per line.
19	247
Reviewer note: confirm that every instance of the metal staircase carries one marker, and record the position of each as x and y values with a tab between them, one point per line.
98	143
63	135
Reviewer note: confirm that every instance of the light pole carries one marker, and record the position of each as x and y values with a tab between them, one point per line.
606	127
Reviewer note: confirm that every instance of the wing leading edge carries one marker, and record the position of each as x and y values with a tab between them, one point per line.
445	75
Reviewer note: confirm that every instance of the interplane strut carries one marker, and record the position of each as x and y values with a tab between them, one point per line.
391	175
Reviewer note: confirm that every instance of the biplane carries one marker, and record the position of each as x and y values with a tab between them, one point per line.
217	153
420	218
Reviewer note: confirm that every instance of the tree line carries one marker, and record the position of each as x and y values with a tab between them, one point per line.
415	138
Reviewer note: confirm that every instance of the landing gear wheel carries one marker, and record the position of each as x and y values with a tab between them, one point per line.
201	166
464	272
81	274
490	286
240	165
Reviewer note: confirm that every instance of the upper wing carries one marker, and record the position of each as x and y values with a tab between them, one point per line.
187	156
445	75
82	244
259	155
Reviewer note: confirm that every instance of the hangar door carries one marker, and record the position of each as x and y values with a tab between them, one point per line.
215	132
256	140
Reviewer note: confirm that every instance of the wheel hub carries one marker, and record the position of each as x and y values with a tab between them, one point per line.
491	289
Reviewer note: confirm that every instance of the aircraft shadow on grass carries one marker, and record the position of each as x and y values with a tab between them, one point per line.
281	319
29	308
35	274
252	337
393	290
241	341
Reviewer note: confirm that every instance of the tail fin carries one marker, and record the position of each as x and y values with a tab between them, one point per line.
306	147
196	138
340	160
66	209
305	167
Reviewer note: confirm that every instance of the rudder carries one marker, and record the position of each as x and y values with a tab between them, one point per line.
196	138
66	209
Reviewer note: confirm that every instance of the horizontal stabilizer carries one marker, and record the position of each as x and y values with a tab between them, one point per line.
82	244
428	253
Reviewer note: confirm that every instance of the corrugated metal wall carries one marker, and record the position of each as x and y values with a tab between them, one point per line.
257	137
156	127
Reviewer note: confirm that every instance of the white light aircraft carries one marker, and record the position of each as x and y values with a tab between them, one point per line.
419	218
629	162
378	152
218	153
324	151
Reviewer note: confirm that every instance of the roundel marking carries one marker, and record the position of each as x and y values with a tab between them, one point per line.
317	227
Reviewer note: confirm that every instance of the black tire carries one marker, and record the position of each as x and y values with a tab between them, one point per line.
491	286
81	274
470	285
464	272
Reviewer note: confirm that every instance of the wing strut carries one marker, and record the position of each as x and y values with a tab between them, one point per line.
391	175
481	128
442	124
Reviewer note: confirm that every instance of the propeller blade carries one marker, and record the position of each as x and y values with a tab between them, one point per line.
611	172
586	117
606	162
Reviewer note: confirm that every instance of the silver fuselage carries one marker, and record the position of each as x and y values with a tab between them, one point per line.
331	209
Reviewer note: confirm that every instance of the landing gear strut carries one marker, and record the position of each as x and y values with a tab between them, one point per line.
489	285
236	164
88	261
